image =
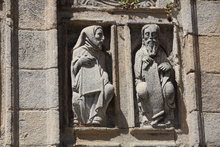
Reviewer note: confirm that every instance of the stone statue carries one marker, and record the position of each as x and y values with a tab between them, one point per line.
91	89
154	88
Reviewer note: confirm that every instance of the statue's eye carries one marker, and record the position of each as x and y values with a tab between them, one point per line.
147	34
154	34
98	35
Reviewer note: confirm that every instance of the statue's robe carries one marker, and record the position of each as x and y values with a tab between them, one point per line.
88	84
154	104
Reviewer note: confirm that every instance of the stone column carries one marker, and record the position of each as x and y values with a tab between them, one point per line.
38	73
190	95
126	99
6	70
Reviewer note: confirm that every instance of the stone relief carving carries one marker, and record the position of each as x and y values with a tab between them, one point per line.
91	88
142	3
153	78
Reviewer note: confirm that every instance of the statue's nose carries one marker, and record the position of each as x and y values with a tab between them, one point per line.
103	38
150	36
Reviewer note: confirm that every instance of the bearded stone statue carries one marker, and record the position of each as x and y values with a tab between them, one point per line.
154	88
91	89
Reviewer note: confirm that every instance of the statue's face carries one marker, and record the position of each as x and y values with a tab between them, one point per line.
99	38
150	38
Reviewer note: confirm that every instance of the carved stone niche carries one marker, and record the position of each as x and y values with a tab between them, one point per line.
154	76
90	97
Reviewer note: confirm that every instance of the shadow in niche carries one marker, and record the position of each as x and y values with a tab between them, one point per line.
62	70
15	126
180	112
65	3
166	43
72	33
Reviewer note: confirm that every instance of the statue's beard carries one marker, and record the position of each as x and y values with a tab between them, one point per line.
151	47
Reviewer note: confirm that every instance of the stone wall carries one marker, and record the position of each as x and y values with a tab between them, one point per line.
30	85
201	67
209	51
38	73
35	52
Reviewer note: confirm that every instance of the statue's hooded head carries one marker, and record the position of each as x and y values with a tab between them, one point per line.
92	37
150	38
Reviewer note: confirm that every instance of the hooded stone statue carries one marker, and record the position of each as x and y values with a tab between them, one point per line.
155	90
91	89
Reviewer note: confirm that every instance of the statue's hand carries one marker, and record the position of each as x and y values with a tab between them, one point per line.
164	66
86	60
137	81
147	59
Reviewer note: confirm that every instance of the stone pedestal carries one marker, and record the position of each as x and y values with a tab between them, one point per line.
115	137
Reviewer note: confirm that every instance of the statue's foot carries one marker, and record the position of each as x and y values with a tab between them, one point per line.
75	122
147	126
168	124
163	124
155	122
97	121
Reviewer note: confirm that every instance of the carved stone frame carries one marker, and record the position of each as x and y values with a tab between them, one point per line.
120	22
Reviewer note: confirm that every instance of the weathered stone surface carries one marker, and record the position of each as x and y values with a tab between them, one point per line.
188	58
6	52
32	13
192	120
52	88
38	49
125	116
211	92
154	144
53	127
190	92
51	49
51	14
33	128
186	17
38	89
32	49
33	89
209	53
106	17
98	144
212	129
208	17
138	136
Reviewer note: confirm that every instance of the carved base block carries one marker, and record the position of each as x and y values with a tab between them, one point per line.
115	137
154	144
